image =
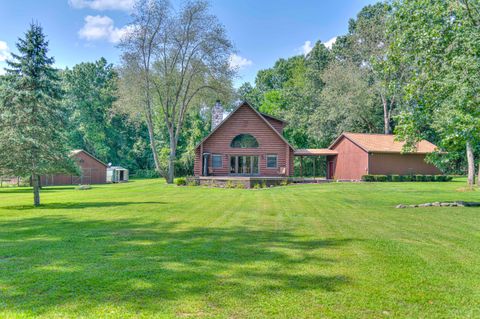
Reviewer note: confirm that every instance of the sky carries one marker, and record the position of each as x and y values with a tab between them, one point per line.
262	30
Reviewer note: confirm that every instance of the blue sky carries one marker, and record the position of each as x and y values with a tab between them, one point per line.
262	31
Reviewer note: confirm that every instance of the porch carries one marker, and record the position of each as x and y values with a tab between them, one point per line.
312	168
251	181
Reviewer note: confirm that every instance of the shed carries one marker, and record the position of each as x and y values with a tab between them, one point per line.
117	174
93	171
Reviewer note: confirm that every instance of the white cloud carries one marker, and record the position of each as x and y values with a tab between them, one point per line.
306	48
238	62
2	71
125	5
4	51
102	28
330	42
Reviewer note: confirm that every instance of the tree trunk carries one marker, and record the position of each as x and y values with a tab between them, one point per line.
478	177
171	166
386	117
36	190
471	165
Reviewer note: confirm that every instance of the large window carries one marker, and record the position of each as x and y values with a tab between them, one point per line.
244	141
216	161
272	161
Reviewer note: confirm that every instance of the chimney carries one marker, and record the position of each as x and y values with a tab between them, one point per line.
217	114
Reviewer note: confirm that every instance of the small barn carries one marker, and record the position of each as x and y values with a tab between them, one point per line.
93	171
117	174
359	154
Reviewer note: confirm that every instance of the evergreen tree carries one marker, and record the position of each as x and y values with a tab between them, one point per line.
32	119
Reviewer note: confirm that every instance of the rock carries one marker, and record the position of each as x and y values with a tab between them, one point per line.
400	206
428	204
460	203
412	206
422	205
444	204
436	204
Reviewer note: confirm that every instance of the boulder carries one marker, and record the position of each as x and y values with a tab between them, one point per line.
400	206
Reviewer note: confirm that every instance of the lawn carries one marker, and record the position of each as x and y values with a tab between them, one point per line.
149	250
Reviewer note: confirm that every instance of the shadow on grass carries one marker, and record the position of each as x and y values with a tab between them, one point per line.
50	261
78	205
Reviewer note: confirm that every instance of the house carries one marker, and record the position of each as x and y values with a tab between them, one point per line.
117	174
360	154
245	143
248	143
93	171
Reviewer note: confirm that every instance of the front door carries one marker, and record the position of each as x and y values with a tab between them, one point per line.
244	165
205	164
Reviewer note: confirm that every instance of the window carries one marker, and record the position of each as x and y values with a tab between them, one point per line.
216	161
271	161
244	141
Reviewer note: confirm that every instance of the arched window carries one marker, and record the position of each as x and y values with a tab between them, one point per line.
244	141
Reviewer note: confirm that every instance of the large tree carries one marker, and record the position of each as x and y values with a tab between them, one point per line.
181	58
32	119
439	42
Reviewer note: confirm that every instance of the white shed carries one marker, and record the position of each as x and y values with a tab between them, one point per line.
117	174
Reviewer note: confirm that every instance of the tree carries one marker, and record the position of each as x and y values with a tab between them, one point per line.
439	42
180	56
90	90
32	119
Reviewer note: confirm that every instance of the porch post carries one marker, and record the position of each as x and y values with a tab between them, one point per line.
314	167
301	166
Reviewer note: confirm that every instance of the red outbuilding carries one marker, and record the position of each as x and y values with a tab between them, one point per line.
93	171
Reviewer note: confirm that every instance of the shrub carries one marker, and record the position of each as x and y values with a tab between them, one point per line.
420	178
380	178
264	184
429	178
257	186
368	178
448	178
240	186
229	184
192	181
407	178
396	178
181	181
284	182
439	178
389	178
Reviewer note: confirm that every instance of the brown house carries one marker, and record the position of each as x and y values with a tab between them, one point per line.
93	171
250	143
246	143
361	154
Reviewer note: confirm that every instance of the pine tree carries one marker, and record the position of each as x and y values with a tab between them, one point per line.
32	118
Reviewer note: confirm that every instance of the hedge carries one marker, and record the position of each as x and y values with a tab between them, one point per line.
406	178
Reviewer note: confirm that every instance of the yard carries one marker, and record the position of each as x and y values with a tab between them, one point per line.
145	249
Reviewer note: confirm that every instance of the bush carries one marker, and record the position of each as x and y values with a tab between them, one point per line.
257	186
284	182
448	178
439	178
380	178
420	178
229	184
240	185
368	178
396	178
429	178
192	181
181	181
407	178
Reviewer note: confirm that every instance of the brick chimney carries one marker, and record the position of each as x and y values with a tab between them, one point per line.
217	114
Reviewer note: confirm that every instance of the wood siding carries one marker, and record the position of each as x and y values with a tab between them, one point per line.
93	172
245	121
401	164
350	163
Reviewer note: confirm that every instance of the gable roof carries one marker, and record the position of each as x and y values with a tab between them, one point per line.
76	152
383	143
256	112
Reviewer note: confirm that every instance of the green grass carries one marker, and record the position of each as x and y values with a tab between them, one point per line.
146	250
